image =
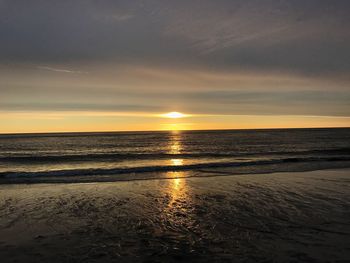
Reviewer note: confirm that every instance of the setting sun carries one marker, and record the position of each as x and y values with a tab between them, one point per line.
174	115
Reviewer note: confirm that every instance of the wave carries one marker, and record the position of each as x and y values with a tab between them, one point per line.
149	156
167	168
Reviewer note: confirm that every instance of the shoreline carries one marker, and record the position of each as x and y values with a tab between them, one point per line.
173	174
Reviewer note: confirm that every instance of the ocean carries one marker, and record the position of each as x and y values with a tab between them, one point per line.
146	155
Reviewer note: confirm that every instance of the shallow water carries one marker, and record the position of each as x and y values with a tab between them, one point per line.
287	217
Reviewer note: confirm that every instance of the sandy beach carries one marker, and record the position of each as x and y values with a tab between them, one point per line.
279	217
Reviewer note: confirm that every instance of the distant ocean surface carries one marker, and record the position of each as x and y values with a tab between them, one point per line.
134	155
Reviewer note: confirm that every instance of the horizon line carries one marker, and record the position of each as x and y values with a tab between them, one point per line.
142	131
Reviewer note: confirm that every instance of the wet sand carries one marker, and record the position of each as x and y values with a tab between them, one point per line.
280	217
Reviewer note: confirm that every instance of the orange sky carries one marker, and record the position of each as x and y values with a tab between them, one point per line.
99	121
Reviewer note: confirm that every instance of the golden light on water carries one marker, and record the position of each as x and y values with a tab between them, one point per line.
177	209
175	147
176	184
177	162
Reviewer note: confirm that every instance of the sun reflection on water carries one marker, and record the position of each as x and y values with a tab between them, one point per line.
176	183
178	209
177	189
177	162
175	147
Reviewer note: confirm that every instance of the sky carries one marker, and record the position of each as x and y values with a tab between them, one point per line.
83	65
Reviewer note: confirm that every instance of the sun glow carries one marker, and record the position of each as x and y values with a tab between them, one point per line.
174	115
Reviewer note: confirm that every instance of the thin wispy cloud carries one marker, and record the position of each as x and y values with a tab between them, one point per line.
61	70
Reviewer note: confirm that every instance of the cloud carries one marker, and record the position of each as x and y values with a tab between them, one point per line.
203	57
61	70
67	106
295	36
